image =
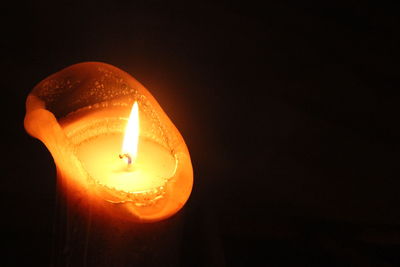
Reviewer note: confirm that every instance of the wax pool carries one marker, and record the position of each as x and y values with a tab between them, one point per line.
151	170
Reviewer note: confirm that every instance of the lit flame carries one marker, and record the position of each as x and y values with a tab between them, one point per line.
131	138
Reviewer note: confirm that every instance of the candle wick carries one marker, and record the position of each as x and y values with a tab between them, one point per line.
127	156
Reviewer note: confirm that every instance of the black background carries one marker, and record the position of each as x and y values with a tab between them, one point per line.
289	110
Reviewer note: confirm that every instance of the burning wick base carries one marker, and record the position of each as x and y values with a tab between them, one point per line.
126	155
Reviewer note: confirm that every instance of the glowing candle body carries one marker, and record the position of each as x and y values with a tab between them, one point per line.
81	113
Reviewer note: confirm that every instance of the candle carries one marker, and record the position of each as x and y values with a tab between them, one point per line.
115	149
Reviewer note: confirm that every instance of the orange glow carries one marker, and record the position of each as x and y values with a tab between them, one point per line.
131	138
85	126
